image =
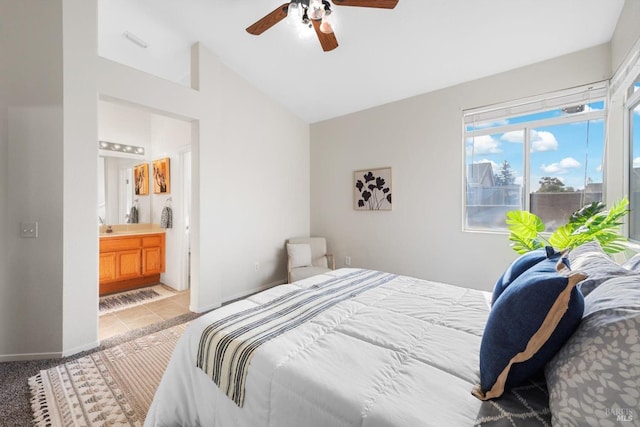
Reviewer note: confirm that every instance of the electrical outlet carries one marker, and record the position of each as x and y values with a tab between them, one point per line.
347	260
256	266
29	230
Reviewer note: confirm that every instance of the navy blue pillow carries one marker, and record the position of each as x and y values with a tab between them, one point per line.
533	318
519	266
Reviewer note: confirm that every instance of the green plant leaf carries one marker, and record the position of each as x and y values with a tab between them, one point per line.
600	225
562	237
592	222
525	228
522	246
580	216
524	224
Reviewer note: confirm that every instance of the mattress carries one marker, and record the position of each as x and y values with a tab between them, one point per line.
402	354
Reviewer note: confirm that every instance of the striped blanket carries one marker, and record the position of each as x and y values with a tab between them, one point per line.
227	345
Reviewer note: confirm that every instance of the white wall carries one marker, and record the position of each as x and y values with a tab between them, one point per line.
250	174
169	138
124	124
80	150
31	179
626	33
35	188
5	290
421	139
253	168
250	177
131	126
625	38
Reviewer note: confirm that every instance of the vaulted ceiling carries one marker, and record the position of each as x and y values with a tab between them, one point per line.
383	55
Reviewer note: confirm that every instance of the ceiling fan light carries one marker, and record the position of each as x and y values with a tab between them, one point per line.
326	27
293	13
315	10
327	7
305	17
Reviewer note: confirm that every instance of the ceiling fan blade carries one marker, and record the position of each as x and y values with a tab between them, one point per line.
381	4
327	41
269	20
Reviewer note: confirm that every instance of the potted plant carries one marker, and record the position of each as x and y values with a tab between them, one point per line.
592	222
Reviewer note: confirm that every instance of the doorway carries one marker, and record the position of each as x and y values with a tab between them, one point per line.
163	137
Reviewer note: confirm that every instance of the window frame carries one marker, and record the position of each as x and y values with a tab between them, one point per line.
587	94
632	100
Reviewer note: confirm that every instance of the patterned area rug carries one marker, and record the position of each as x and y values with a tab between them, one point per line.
122	300
110	387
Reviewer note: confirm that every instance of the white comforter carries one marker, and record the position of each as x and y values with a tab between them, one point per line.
403	354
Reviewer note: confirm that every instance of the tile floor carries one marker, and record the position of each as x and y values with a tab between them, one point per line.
122	321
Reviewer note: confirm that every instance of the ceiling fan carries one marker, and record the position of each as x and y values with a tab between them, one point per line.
314	13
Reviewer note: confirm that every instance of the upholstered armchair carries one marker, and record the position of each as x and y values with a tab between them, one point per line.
307	256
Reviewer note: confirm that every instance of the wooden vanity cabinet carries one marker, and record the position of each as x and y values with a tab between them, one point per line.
130	261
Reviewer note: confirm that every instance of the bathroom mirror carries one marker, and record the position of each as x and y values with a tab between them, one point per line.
116	192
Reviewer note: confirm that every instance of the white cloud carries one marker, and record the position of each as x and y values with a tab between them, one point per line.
599	168
540	140
515	136
637	110
543	141
636	162
569	162
561	167
484	144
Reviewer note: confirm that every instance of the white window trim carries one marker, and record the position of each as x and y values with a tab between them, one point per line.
627	72
629	103
578	117
624	77
546	102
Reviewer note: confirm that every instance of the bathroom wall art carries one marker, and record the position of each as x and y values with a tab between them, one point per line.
161	176
141	179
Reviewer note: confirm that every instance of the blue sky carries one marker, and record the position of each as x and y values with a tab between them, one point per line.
558	151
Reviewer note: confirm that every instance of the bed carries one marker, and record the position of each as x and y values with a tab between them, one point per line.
405	352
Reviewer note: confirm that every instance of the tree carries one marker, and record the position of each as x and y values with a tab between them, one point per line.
551	185
505	175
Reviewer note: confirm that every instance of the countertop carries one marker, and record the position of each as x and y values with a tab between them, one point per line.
121	230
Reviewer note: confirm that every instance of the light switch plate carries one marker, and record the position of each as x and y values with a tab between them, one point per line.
28	229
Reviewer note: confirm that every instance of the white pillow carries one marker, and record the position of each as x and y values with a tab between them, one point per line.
300	254
590	259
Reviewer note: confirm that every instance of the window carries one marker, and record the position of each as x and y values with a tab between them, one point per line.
633	116
543	155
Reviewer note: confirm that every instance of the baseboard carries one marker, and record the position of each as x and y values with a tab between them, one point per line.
203	309
28	356
236	297
80	349
242	295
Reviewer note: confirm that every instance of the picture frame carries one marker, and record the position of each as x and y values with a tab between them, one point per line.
372	189
161	176
141	179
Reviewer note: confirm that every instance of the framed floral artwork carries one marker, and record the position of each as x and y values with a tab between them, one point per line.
141	179
161	176
372	190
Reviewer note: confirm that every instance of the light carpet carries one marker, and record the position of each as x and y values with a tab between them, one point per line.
128	299
109	387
